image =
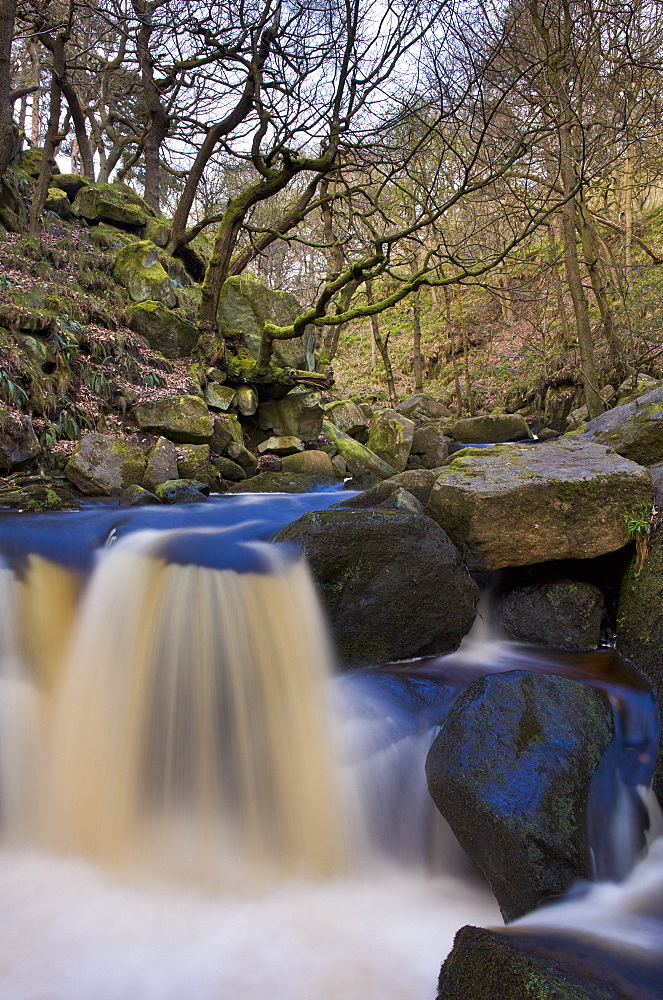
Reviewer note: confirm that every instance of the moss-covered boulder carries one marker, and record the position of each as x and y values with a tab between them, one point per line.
563	613
283	482
193	462
183	491
38	497
238	453
163	328
71	184
505	965
137	267
510	771
117	204
287	445
226	430
360	459
58	203
161	464
157	231
137	496
246	304
346	415
640	628
298	413
227	469
313	462
392	583
490	428
391	438
634	430
183	418
219	397
102	465
530	504
18	441
418	482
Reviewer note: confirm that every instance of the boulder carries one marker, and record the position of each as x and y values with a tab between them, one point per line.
360	459
340	466
524	505
422	407
282	446
246	304
58	203
164	329
193	462
418	482
630	389
246	400
283	482
346	415
566	614
13	214
137	267
316	463
158	232
640	628
229	470
656	473
161	464
183	418
226	430
634	430
510	771
102	465
136	496
391	582
298	413
491	427
391	438
18	441
219	397
559	402
71	184
116	204
183	491
36	498
243	457
430	445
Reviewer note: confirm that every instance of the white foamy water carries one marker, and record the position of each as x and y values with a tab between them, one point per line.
69	931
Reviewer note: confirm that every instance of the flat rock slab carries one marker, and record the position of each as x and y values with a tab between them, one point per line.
536	503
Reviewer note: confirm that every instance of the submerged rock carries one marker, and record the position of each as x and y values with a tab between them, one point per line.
102	465
183	418
524	505
510	771
566	614
392	583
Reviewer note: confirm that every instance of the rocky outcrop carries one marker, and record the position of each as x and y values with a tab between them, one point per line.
360	459
184	419
510	771
391	582
164	330
634	430
524	505
116	204
492	427
18	441
137	267
566	614
346	415
391	438
298	413
430	447
103	466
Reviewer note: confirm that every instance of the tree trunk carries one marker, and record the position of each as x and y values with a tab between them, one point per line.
52	136
158	120
8	131
452	344
382	348
557	289
36	97
417	359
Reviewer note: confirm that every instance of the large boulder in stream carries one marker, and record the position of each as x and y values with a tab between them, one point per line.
360	460
392	582
102	465
510	771
634	430
563	613
537	503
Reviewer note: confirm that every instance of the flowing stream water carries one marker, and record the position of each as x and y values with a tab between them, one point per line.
193	806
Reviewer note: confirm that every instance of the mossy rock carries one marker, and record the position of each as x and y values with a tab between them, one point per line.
161	464
58	203
492	427
30	160
137	267
219	397
346	415
18	441
360	459
562	613
298	413
193	462
283	482
102	465
183	491
634	430
311	462
36	498
117	204
183	418
158	232
391	438
136	496
226	430
163	328
13	214
71	183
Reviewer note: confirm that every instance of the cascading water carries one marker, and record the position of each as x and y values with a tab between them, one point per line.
189	806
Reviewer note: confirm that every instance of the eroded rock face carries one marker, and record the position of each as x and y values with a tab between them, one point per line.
360	459
137	267
510	771
392	583
163	329
102	465
634	430
490	428
566	614
391	438
18	441
184	419
524	505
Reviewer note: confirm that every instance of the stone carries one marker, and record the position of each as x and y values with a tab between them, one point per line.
58	203
339	465
656	473
70	183
298	413
510	771
346	415
640	628
565	614
226	430
269	463
391	582
136	496
559	402
137	268
161	464
246	400
183	418
193	462
422	407
281	446
630	389
246	304
522	505
183	491
116	204
37	498
102	465
158	232
243	457
13	214
492	427
18	441
163	329
634	430
219	397
400	499
430	444
283	482
418	482
315	463
360	459
229	470
391	438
